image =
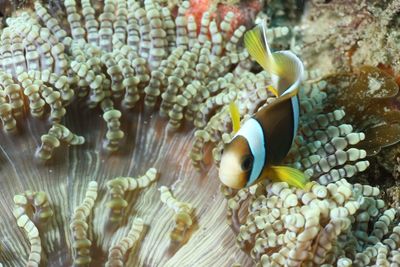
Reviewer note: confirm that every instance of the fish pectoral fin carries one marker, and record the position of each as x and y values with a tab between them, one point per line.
235	116
272	90
291	176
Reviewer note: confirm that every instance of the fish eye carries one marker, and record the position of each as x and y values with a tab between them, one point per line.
247	163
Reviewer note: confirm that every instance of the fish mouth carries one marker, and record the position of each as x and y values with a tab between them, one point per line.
230	180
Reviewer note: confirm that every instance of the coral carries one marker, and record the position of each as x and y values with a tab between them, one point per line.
283	13
393	195
244	12
369	38
368	98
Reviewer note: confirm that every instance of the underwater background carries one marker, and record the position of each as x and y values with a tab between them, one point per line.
115	114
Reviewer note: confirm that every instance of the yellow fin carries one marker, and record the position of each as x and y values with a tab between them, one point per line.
286	59
290	80
254	44
272	90
287	174
255	41
235	116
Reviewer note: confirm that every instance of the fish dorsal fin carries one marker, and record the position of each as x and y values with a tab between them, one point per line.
256	43
285	67
235	116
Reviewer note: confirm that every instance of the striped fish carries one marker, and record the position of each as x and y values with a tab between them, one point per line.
261	144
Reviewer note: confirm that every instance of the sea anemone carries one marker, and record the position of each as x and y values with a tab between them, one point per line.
335	225
333	221
92	95
294	226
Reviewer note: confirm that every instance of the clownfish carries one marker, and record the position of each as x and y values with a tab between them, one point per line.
262	142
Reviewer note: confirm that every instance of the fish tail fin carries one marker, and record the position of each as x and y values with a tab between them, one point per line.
235	116
256	43
291	176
